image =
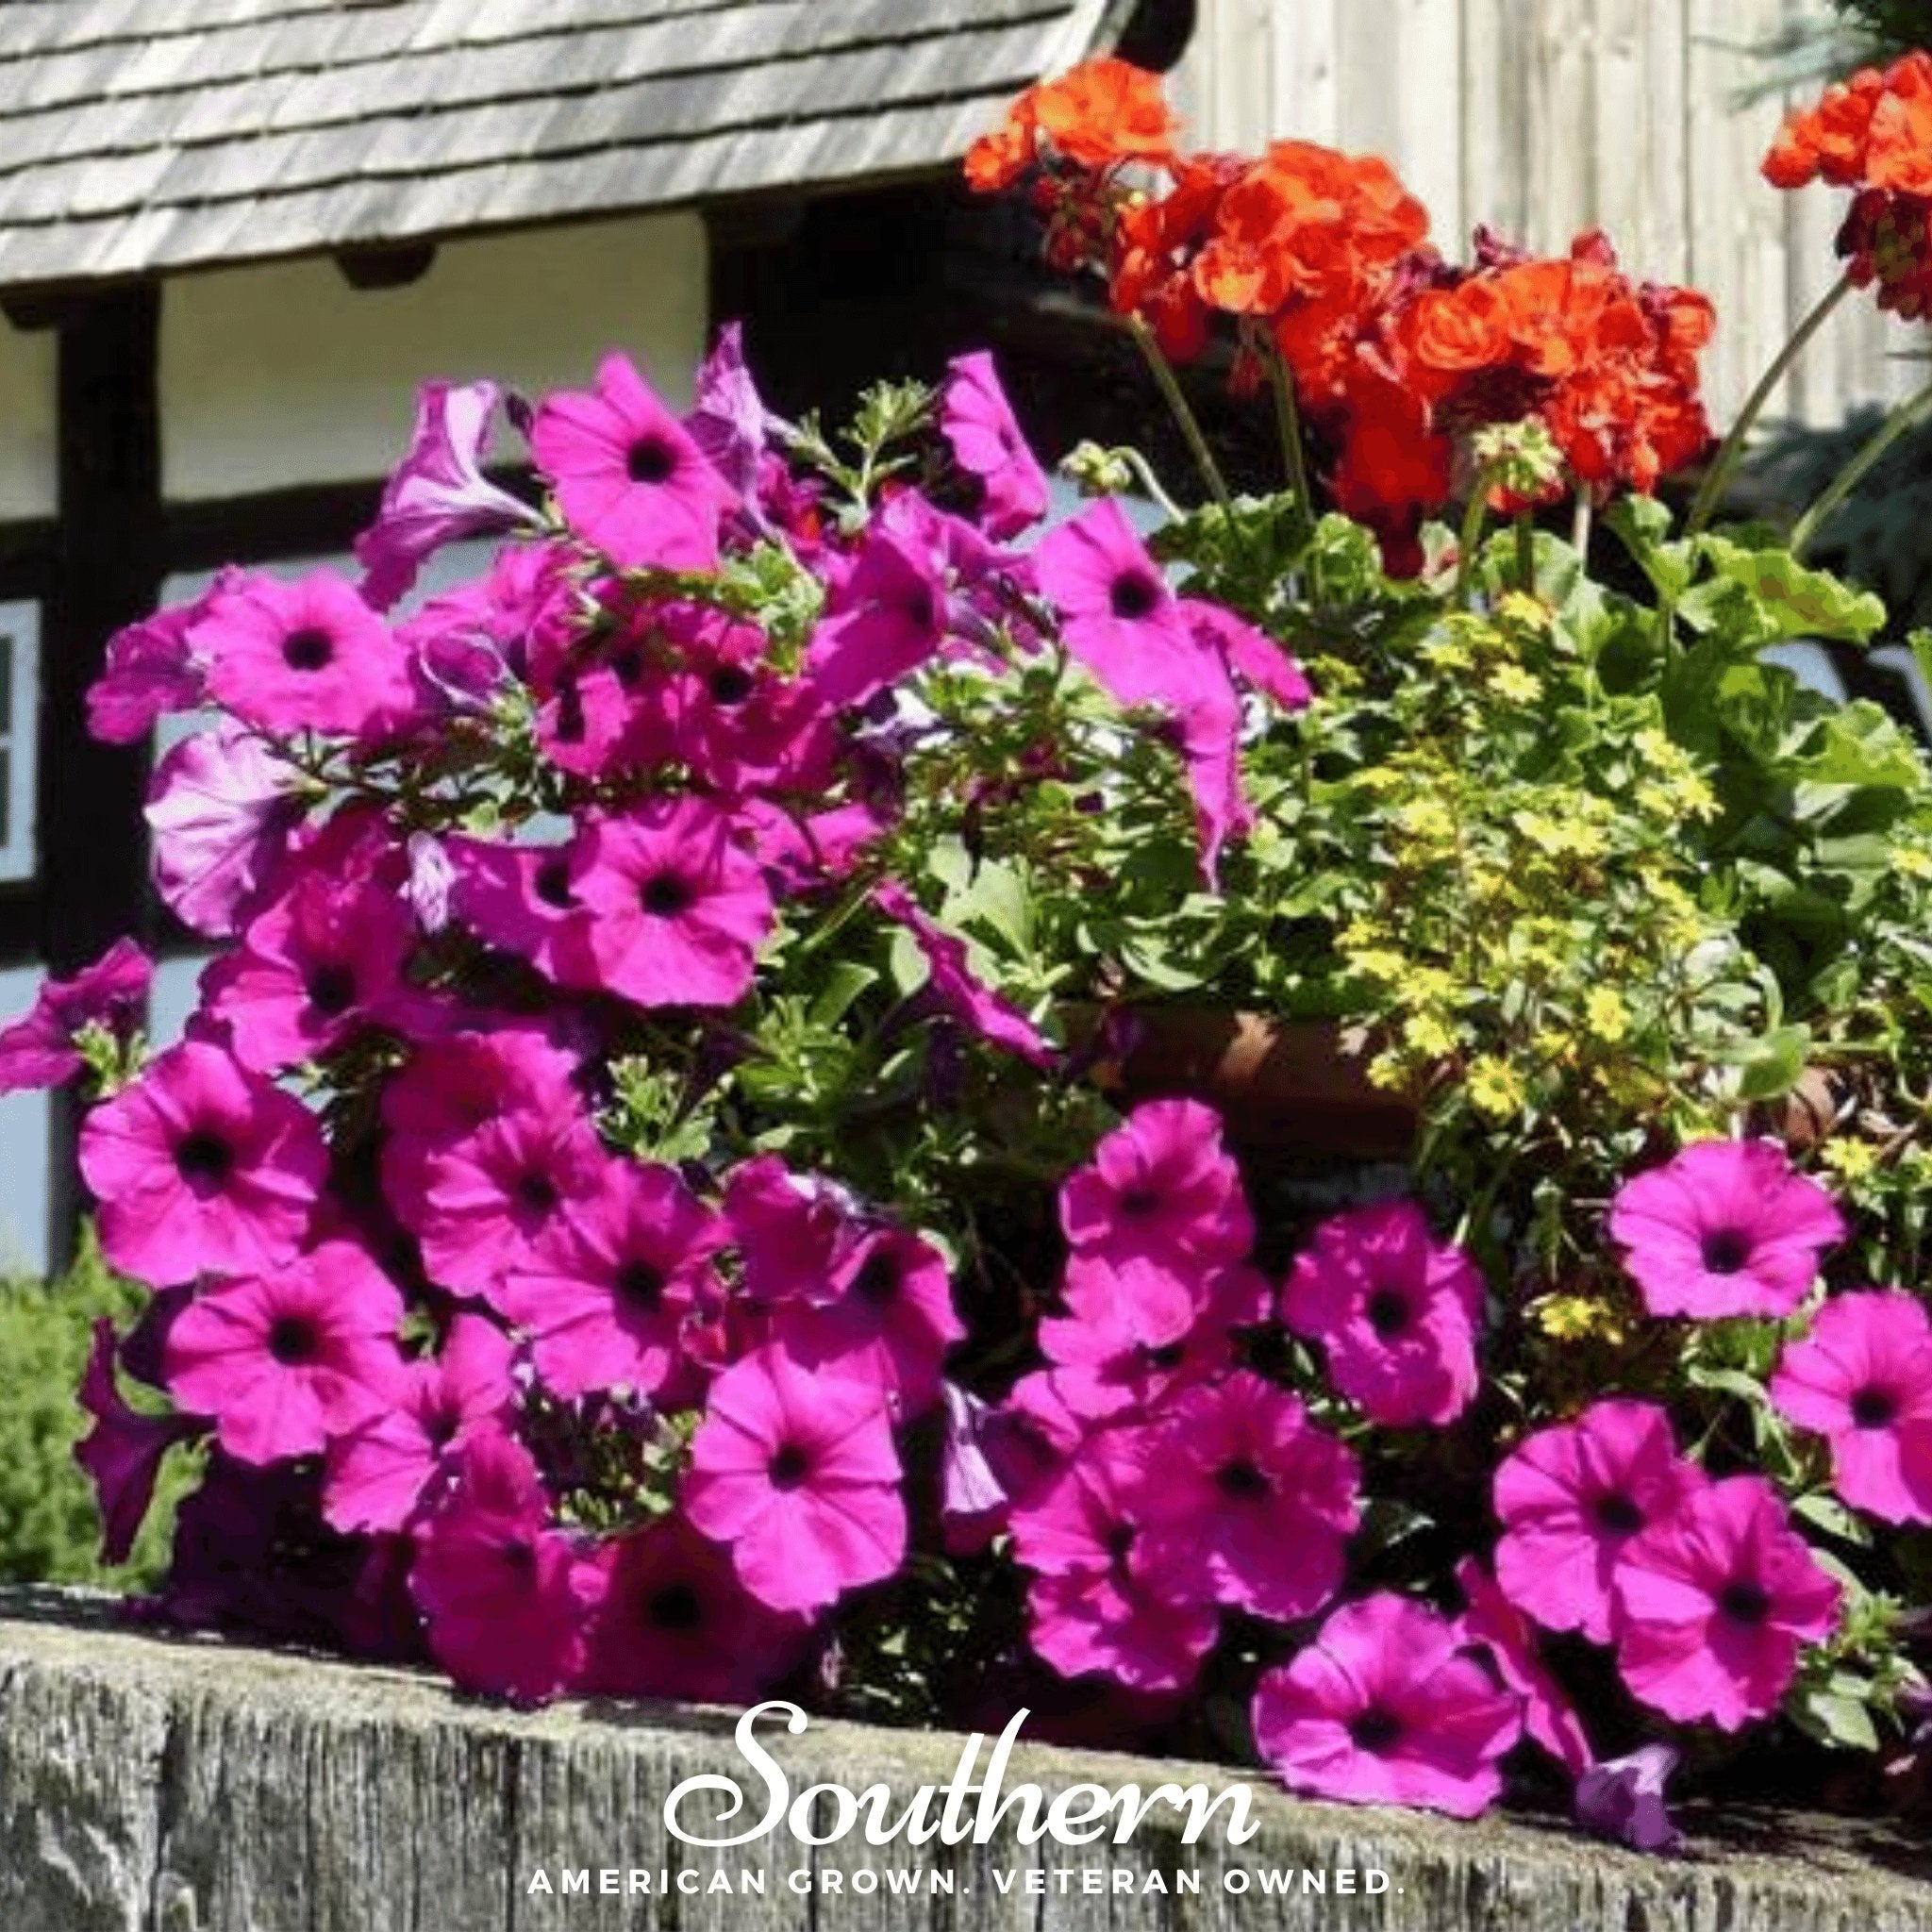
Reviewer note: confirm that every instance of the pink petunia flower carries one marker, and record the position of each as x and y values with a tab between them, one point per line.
1492	1623
221	805
37	1049
881	624
378	1471
121	1453
790	1230
521	899
1088	1516
1136	1333
795	1469
282	1361
1714	1602
1252	655
503	1594
1396	1311
606	1307
678	910
1725	1227
1105	1624
959	991
201	1167
977	420
438	494
308	656
150	671
1862	1379
1383	1708
674	1621
629	477
1571	1498
893	1303
1252	1505
729	420
973	1499
1162	1186
1623	1798
323	959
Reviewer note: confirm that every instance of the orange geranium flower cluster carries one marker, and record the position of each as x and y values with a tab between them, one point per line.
1872	133
1322	259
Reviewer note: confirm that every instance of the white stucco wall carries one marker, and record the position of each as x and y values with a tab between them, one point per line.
284	374
28	476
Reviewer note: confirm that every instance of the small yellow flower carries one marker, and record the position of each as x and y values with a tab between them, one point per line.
1851	1161
1576	1318
1493	1087
1914	863
1516	685
1519	607
1604	1013
1426	1035
1426	818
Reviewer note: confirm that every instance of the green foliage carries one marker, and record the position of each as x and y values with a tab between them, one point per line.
49	1529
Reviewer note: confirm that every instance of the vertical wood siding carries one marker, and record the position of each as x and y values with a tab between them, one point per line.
1545	117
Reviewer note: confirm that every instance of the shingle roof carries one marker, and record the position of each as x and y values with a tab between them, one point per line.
139	135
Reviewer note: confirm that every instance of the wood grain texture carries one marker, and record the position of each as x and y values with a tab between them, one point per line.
149	1785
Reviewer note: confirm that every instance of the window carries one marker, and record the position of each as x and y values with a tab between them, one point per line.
20	668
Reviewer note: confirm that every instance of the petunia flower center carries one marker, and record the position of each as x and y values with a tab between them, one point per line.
1242	1482
674	1607
1616	1514
308	650
1388	1312
551	884
536	1191
1132	595
519	1554
1137	1203
1725	1250
879	1280
920	609
642	1285
1874	1408
203	1159
1119	1541
789	1466
1744	1601
665	897
292	1341
1170	1355
331	987
1375	1730
730	684
650	459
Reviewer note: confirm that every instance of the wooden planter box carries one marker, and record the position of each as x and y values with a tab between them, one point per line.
149	1785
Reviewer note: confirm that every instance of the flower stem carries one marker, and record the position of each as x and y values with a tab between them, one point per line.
1525	553
1902	420
1469	540
1580	522
1288	420
1717	478
1165	380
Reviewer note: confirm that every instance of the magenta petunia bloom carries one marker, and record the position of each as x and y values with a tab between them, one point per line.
308	656
790	1230
1090	1513
503	1594
438	494
977	420
973	1497
677	909
121	1454
1714	1602
882	623
1396	1311
1862	1379
893	1303
150	671
1725	1227
283	1361
221	805
628	477
1253	1504
1138	1333
510	1197
729	420
672	1620
37	1049
795	1469
958	990
1382	1708
323	959
1161	1186
1252	655
1623	1798
1105	1624
521	899
379	1470
607	1309
1492	1623
1570	1500
202	1168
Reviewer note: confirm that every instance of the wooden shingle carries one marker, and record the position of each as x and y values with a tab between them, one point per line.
138	136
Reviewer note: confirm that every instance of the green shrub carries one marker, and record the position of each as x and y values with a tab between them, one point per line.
49	1527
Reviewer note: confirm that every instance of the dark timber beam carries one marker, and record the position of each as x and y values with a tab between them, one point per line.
108	565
